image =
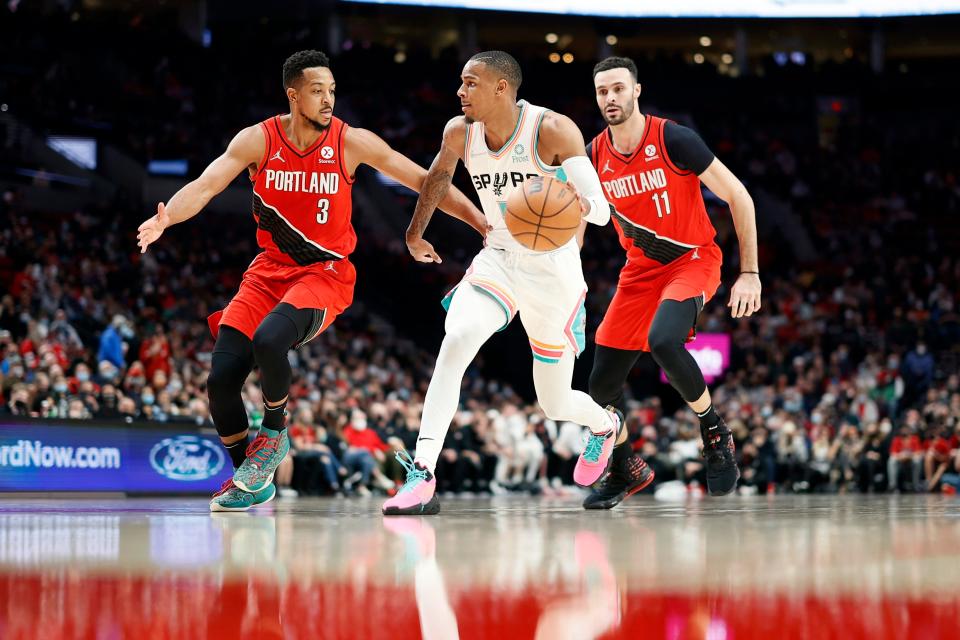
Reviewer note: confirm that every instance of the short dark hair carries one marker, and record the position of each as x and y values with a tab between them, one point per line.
616	62
294	65
503	63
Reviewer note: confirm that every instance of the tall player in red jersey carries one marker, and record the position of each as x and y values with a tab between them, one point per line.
302	166
651	170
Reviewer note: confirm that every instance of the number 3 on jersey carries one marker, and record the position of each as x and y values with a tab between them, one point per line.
666	203
324	210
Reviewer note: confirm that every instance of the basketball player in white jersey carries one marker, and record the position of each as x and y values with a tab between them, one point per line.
501	142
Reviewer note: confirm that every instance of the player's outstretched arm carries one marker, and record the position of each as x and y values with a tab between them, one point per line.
368	148
245	150
561	143
745	294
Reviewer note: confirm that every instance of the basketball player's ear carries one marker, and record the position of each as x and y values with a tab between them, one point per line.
502	87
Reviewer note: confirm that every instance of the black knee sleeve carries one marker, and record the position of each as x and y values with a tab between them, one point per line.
668	333
609	375
284	328
231	363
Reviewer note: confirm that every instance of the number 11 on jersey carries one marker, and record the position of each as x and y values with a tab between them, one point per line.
666	203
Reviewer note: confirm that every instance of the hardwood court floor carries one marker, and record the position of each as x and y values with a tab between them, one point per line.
733	568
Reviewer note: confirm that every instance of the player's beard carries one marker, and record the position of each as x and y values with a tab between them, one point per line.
468	120
625	112
316	124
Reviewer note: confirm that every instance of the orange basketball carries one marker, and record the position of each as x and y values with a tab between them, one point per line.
543	214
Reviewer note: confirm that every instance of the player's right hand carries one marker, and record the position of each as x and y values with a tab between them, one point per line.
152	228
422	251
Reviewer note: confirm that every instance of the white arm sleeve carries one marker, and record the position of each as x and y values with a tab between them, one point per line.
584	177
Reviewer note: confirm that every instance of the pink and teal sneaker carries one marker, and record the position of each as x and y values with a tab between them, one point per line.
417	496
595	459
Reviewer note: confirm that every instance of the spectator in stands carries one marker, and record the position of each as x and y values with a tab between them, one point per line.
906	457
112	347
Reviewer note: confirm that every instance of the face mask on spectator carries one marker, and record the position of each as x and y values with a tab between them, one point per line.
175	386
147	399
83	376
60	387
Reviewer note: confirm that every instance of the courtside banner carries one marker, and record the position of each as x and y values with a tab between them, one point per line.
60	455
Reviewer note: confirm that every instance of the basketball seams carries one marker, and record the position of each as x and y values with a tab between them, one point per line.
543	205
532	223
538	226
537	237
572	199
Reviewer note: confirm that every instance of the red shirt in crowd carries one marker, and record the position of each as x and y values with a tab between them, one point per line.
903	444
303	432
155	356
364	439
943	446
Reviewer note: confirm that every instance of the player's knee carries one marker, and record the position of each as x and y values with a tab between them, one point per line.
663	346
268	343
603	387
227	375
457	346
554	406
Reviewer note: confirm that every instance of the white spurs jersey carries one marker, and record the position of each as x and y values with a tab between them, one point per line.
496	174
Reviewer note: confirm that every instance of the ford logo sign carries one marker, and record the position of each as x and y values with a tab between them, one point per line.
186	458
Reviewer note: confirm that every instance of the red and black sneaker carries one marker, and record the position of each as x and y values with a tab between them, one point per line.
624	480
720	454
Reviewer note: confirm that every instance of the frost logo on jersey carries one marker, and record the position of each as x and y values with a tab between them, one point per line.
277	156
186	458
519	155
651	152
326	153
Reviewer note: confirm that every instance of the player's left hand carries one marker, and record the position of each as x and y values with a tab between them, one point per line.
584	203
152	228
422	251
745	296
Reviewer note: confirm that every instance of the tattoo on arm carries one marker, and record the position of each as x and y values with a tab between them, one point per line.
435	187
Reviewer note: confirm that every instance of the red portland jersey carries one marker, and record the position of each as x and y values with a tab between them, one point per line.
301	199
660	211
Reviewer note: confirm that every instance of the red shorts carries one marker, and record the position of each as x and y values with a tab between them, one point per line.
327	286
640	291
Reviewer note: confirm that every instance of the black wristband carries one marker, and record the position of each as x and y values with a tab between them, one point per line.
754	272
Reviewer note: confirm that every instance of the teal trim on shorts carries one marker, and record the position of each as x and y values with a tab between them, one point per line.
547	360
448	299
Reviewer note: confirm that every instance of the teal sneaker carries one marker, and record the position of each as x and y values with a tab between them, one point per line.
264	455
233	498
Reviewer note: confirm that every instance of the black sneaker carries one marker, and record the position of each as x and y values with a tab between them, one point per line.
719	452
624	480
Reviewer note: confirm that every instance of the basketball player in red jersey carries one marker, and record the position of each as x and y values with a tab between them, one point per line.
651	170
302	166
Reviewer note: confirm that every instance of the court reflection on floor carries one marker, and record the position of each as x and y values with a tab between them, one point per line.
790	568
